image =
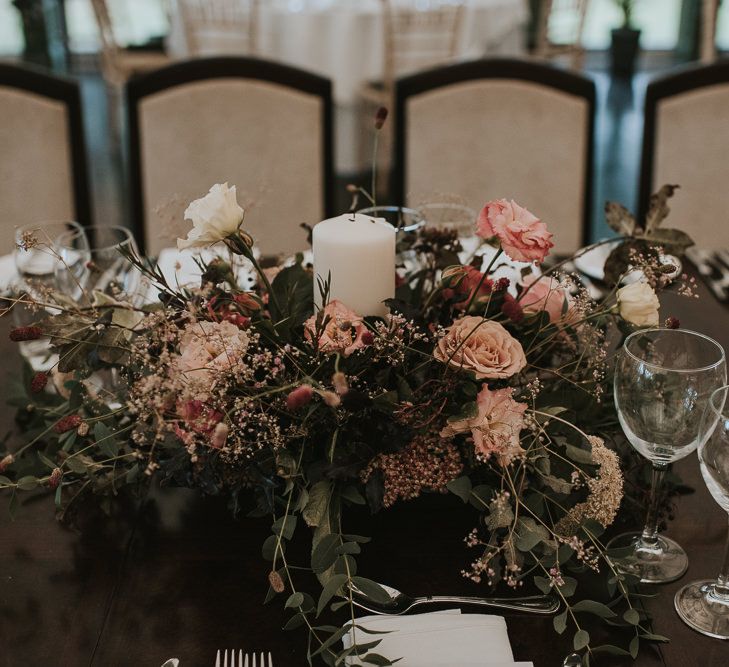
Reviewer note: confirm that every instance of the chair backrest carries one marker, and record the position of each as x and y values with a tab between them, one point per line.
42	151
686	142
262	126
220	27
419	35
499	128
560	26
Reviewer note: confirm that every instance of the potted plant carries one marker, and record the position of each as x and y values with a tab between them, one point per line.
625	41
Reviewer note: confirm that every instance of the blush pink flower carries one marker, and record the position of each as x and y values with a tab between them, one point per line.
209	348
343	332
496	427
545	293
523	236
198	416
481	346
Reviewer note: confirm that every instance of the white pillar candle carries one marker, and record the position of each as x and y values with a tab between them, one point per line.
359	254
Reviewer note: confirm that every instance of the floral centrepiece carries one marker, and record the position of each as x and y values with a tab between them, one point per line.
492	389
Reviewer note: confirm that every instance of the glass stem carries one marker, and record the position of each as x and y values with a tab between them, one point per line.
721	587
649	538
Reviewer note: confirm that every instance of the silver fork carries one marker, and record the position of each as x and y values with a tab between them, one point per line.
243	661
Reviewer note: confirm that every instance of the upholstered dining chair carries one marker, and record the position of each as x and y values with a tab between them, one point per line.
417	36
220	27
686	142
42	151
560	24
261	126
499	128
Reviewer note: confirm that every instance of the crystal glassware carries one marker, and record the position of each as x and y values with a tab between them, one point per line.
663	381
102	268
704	605
36	261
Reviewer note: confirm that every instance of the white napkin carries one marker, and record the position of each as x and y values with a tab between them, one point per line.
8	273
439	639
181	270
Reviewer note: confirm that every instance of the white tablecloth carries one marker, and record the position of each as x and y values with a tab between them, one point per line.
343	39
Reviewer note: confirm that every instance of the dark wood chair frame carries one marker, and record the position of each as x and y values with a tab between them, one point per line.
67	92
202	69
493	68
688	78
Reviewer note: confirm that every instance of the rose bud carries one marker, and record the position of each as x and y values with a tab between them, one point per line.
38	383
20	334
380	117
248	301
368	338
453	276
672	323
299	397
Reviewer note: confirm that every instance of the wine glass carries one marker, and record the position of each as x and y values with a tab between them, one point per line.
704	605
36	260
663	381
102	268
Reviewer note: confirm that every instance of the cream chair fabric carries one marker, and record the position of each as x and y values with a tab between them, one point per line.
500	138
36	171
262	137
691	150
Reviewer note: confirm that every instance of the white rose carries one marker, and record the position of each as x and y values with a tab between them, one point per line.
214	217
638	304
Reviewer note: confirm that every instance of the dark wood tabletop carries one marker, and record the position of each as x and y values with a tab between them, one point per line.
178	577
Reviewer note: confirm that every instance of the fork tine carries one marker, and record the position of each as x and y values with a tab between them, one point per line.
254	659
240	657
270	660
225	658
246	662
217	659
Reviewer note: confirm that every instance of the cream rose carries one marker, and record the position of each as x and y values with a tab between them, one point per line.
481	346
496	427
209	348
638	304
214	217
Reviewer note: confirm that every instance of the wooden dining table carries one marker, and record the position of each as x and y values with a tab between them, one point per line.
175	575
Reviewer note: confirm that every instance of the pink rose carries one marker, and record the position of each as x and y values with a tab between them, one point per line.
207	348
546	294
481	346
496	427
523	236
343	331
